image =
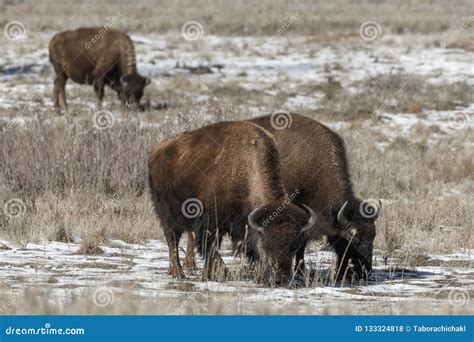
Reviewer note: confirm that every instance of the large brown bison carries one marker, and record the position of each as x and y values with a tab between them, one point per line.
214	180
313	160
98	56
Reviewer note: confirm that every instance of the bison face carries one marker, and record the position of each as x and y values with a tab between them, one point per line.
280	227
131	90
356	222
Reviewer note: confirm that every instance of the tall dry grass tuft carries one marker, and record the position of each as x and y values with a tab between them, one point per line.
250	17
65	158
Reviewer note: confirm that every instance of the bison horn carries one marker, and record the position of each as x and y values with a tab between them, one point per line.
252	221
341	218
312	219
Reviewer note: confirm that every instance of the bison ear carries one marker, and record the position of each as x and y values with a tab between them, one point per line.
147	81
125	79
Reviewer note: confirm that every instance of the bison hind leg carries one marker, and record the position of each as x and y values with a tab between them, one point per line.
60	91
175	269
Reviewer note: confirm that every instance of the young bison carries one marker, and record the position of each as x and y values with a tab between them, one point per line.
213	180
98	56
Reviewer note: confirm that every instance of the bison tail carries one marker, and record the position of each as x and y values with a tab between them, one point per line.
155	197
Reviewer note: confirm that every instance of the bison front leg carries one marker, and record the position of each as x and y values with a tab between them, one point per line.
189	262
175	268
60	91
300	268
348	259
99	86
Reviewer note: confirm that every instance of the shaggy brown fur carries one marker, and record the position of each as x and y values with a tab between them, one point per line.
313	160
230	168
98	56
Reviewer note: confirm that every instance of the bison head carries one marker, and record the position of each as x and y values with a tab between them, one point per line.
280	227
356	223
131	90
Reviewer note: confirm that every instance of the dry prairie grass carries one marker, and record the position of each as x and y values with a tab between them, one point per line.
239	18
76	180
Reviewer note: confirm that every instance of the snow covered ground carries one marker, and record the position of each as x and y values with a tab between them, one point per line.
124	268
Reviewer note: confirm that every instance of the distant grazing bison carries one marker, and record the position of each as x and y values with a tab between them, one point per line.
314	161
214	180
98	56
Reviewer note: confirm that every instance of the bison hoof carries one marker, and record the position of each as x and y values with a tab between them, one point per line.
176	273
